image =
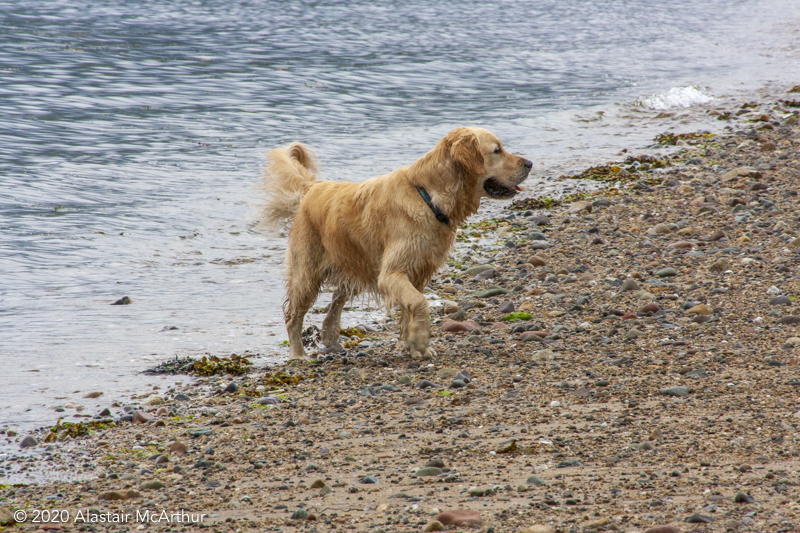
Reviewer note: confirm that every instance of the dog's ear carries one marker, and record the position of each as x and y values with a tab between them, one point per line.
465	152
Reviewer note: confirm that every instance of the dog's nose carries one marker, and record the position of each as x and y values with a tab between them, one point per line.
528	164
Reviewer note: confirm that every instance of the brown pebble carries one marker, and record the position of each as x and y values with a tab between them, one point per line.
118	495
537	260
459	517
140	417
538	528
451	326
701	309
663	529
720	266
177	447
650	308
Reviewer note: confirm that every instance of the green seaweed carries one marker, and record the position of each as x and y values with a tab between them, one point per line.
209	366
671	139
516	316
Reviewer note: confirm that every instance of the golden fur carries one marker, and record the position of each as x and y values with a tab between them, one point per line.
380	236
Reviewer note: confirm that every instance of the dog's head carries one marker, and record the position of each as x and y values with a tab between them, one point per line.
480	156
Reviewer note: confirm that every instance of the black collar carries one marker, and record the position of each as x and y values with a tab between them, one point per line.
441	217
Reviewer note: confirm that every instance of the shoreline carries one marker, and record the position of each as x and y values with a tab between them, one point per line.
619	407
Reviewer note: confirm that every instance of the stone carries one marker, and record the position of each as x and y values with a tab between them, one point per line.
464	376
269	400
152	485
731	175
491	291
318	484
659	229
369	480
633	334
795	243
675	391
433	525
682	245
486	274
791	342
701	309
538	528
629	285
649	308
324	491
717	235
789	320
177	447
93	395
181	397
459	517
6	517
698	518
474	271
429	471
537	260
579	207
696	374
666	272
780	300
530	336
140	417
28	442
451	326
112	495
425	384
741	497
300	514
663	529
720	265
506	307
232	387
535	480
123	301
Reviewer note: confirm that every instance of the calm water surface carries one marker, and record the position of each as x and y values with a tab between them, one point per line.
131	138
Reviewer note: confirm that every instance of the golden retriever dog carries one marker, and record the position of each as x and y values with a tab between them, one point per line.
386	236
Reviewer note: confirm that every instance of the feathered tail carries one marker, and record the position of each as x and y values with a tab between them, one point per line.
287	177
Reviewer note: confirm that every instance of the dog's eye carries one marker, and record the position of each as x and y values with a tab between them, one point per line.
498	150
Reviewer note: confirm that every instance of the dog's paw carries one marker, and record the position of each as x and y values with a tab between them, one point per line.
429	353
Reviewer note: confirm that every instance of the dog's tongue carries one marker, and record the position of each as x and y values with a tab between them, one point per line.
517	187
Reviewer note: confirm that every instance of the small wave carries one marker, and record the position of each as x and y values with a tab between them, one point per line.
675	97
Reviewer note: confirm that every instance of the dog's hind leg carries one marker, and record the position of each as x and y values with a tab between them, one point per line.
332	324
416	319
303	281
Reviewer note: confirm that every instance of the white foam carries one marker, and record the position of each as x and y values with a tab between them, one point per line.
675	97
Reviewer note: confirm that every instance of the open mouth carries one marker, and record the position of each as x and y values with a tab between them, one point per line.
496	190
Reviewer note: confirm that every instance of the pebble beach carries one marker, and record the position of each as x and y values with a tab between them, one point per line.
622	360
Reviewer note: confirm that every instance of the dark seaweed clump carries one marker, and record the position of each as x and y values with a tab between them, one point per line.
207	366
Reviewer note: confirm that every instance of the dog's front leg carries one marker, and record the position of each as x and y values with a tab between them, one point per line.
416	319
